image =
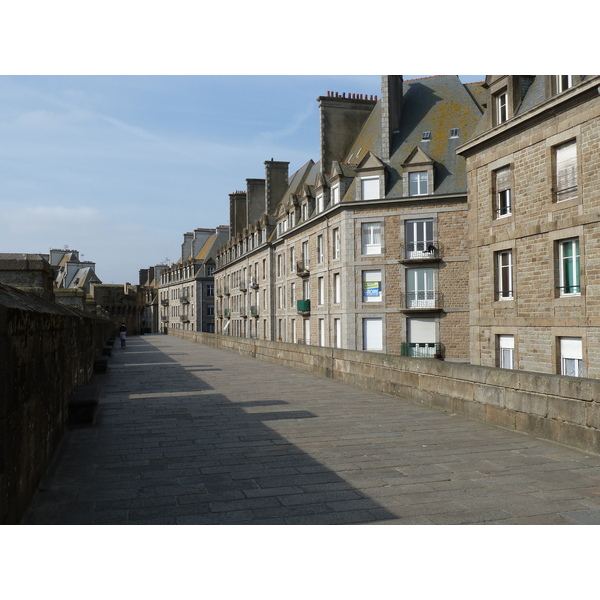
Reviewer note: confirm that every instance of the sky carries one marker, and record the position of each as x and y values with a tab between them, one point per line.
120	167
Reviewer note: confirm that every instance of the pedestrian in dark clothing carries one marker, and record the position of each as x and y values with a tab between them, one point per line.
123	334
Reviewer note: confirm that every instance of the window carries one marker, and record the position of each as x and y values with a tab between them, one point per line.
306	289
419	238
320	249
421	337
568	268
501	107
503	197
420	291
371	238
426	135
210	310
417	183
279	262
321	332
336	243
563	82
571	357
320	203
264	267
371	286
369	187
210	289
293	331
337	333
504	270
305	255
337	288
454	132
292	259
335	194
307	331
292	294
506	347
320	291
373	334
566	171
279	297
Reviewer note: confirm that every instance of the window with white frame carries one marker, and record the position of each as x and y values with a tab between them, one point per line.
293	332
336	243
417	183
305	254
371	286
566	171
420	288
292	294
320	291
279	297
563	82
369	188
569	267
421	334
571	356
373	334
506	350
306	289
321	332
320	203
337	333
502	185
504	271
337	288
320	249
307	331
418	235
501	107
279	264
292	259
371	238
335	194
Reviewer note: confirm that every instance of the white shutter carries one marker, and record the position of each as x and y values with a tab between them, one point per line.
372	334
507	341
369	188
571	348
421	331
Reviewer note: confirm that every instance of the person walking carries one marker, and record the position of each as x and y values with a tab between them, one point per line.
123	334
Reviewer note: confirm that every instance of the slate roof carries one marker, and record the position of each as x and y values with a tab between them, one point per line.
436	104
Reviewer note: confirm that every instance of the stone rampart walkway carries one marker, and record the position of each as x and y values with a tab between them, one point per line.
187	434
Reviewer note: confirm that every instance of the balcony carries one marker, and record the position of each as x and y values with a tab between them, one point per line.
243	312
422	350
424	300
303	307
302	268
219	292
243	286
164	302
164	318
421	252
227	312
184	318
185	299
226	290
254	310
254	285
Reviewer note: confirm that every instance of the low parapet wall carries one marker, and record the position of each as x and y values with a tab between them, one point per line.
46	352
554	407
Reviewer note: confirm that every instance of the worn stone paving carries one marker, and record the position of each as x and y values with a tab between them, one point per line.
187	434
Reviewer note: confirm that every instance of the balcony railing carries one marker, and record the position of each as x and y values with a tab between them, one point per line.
243	286
226	290
422	350
184	318
164	302
227	312
302	268
431	251
243	311
303	307
423	300
184	299
254	284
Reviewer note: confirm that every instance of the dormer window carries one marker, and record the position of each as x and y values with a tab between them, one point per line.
454	132
426	136
320	203
563	82
501	107
369	188
335	194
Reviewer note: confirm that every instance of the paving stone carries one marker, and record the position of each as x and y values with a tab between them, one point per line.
187	434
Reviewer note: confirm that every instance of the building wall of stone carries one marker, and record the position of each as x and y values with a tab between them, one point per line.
538	316
46	352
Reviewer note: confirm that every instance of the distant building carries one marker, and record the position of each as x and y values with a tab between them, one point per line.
150	279
186	293
70	272
122	304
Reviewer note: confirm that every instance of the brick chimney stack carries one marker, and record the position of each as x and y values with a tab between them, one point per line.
391	112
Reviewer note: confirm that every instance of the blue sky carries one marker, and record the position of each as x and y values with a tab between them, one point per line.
119	167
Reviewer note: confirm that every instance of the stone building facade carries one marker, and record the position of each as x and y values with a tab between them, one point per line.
186	293
367	248
534	195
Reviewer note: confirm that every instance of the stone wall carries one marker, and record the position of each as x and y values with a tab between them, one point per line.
46	352
553	407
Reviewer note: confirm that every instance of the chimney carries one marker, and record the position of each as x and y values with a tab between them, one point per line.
391	112
238	214
186	247
255	202
341	120
276	184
